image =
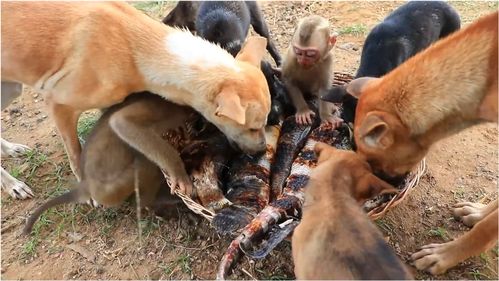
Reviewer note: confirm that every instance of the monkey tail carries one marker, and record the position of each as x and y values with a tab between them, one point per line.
77	194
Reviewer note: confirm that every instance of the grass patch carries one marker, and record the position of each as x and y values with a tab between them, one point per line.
153	8
439	232
477	275
182	263
85	125
35	160
357	29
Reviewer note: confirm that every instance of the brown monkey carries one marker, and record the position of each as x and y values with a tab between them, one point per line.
308	68
140	136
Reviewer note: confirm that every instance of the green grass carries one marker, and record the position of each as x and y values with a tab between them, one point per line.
152	7
35	160
85	125
182	263
477	275
357	29
439	232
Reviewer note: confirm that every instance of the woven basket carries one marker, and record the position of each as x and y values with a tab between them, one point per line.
411	182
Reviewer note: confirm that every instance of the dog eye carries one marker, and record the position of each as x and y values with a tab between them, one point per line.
254	130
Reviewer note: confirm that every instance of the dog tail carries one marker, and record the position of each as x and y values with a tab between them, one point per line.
77	194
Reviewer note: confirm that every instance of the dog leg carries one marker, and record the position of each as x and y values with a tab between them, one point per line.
66	121
437	258
16	188
471	213
10	149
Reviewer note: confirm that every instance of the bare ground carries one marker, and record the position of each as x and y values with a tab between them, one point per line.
86	243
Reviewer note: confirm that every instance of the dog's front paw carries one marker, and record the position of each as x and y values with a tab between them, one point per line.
14	149
436	258
17	189
470	213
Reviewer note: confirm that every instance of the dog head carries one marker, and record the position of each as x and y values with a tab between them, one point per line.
348	170
380	136
243	102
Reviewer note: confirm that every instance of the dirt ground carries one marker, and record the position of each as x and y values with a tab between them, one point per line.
94	243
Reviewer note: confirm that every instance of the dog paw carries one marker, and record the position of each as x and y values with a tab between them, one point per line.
470	213
93	203
15	149
435	258
18	189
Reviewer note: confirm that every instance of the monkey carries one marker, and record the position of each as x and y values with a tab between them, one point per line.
307	68
227	23
183	15
111	159
405	32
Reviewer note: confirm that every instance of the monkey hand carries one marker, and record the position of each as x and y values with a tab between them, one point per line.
304	116
333	120
181	183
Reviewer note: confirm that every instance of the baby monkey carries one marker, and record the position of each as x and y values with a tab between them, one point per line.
307	68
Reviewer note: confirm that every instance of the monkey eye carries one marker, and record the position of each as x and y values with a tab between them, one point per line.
311	53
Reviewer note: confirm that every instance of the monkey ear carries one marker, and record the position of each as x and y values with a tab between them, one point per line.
355	87
229	105
253	50
371	186
332	39
374	132
335	95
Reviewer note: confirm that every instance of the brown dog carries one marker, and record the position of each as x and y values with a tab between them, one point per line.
92	55
441	91
335	239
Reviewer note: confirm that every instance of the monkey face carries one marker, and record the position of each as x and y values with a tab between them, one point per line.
306	57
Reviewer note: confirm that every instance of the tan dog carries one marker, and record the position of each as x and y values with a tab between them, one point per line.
92	55
439	92
335	239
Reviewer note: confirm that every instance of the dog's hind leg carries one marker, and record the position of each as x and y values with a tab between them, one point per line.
437	258
66	121
471	213
15	188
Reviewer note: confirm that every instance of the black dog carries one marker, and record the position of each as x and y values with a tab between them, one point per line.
227	23
406	31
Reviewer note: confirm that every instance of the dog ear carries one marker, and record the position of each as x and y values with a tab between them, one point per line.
374	132
229	105
253	50
355	87
371	186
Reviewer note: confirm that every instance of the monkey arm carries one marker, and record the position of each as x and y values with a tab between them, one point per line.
296	96
130	125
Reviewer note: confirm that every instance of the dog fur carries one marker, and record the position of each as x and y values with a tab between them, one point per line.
447	88
405	32
89	55
126	145
335	239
